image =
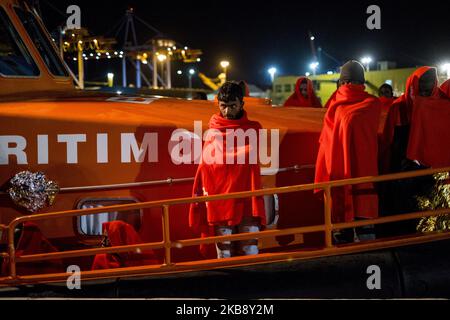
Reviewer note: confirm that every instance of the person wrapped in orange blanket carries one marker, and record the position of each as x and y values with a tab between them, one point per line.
224	169
386	96
118	233
429	139
399	197
423	82
304	95
29	241
349	146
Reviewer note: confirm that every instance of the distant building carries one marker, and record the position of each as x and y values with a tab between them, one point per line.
257	92
326	84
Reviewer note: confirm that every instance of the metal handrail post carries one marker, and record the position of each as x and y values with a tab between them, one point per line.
166	236
12	254
328	203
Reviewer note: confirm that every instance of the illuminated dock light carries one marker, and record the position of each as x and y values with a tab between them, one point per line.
445	67
272	71
224	64
162	57
110	77
313	66
366	61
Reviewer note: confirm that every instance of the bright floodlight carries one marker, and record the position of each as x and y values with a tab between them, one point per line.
162	57
272	71
224	64
314	66
307	74
180	72
110	77
313	38
366	60
191	72
446	69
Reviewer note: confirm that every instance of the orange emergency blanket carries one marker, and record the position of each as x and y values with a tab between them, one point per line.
224	178
298	100
429	140
445	89
121	234
399	115
31	242
386	103
348	149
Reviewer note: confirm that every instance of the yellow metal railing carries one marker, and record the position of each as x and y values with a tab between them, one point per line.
167	244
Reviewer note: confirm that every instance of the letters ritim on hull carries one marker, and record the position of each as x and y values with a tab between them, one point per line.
184	147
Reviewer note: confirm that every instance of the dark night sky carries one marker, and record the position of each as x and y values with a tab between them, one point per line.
254	35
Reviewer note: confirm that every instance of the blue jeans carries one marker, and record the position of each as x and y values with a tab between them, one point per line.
228	249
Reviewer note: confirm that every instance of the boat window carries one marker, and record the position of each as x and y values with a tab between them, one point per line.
15	59
42	43
91	225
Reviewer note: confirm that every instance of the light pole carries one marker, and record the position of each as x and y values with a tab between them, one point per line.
225	64
191	73
366	61
272	71
313	66
162	58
